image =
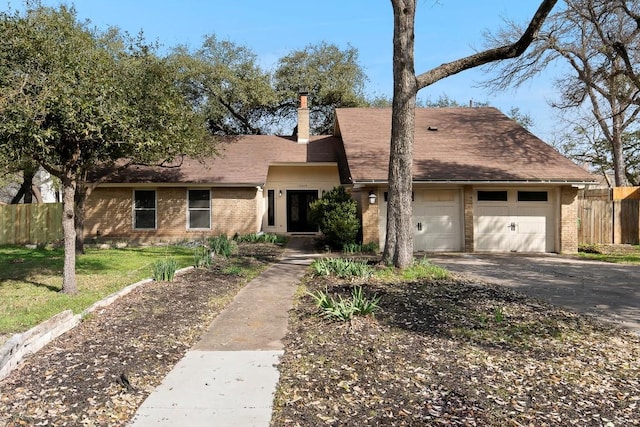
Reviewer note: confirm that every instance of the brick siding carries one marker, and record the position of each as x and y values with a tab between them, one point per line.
109	214
568	220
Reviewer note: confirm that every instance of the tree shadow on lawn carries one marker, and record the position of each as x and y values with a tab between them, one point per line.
52	288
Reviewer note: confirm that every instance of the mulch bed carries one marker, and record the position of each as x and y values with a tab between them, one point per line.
455	353
100	372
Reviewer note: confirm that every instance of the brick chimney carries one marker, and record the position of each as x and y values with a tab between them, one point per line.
303	119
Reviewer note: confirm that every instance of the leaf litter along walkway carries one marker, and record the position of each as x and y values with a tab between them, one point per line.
456	353
100	372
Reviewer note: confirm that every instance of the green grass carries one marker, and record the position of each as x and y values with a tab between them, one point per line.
609	253
419	270
31	279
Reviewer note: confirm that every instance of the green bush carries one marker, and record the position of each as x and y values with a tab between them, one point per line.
336	216
221	245
341	267
165	270
344	309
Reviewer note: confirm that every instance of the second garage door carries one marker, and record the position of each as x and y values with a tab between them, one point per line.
513	221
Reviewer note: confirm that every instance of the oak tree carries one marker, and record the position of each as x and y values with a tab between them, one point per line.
73	97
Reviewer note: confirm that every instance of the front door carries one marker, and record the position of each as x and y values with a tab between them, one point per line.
298	202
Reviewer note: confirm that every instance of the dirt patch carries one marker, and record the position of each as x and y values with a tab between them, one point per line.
455	353
101	371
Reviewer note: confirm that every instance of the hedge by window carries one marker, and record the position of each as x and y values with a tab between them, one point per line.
199	209
144	209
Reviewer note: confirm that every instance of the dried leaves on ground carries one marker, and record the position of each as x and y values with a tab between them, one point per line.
455	353
101	371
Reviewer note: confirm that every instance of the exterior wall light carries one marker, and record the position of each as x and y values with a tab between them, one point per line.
372	197
280	193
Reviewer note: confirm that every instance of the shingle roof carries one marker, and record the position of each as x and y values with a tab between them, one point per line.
470	144
242	161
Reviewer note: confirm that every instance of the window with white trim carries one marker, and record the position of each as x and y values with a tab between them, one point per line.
144	209
199	207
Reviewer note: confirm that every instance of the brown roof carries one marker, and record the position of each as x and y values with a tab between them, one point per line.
470	144
243	161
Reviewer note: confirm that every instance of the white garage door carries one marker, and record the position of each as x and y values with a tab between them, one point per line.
437	223
513	221
436	220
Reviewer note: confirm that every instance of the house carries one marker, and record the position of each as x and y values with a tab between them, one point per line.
481	183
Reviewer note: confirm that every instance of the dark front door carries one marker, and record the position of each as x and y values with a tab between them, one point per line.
298	210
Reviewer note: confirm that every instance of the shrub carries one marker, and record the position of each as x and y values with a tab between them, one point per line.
259	238
336	216
353	248
341	267
221	245
202	256
165	270
344	309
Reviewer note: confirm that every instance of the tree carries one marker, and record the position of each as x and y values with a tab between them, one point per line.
238	97
598	40
406	84
224	81
73	98
332	77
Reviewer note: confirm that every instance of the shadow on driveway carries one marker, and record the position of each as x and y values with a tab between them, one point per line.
608	291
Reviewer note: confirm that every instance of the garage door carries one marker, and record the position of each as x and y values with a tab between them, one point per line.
513	221
436	220
437	223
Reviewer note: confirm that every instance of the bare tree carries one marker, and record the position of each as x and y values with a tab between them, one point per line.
406	84
598	39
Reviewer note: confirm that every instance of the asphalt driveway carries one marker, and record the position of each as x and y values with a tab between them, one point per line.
609	291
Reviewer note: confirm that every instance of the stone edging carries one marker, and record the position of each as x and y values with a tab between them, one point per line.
29	342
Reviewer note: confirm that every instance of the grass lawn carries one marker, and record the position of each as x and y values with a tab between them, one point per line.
621	254
31	279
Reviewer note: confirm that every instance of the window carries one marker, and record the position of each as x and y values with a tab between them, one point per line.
271	208
492	196
199	209
533	196
144	209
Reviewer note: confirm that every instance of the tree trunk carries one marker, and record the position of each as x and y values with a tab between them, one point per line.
399	238
68	228
80	199
28	173
617	151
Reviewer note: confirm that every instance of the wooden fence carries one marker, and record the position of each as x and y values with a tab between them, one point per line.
30	223
609	216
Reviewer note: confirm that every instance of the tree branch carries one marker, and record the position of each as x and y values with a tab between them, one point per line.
504	52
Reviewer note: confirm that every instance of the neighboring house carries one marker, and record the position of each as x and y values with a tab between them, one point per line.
481	183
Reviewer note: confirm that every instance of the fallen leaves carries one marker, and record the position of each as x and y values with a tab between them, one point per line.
439	354
100	372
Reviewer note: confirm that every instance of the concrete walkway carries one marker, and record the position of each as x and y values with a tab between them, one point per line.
228	378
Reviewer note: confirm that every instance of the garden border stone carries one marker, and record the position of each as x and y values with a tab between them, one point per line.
25	343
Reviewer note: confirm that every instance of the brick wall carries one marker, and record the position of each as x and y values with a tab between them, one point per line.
568	220
370	228
109	214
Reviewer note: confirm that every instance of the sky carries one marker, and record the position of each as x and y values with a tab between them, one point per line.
445	30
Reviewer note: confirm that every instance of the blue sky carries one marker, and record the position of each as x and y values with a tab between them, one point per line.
445	30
